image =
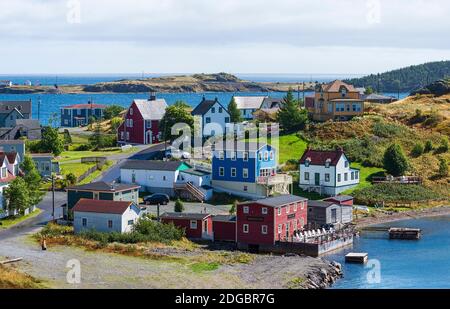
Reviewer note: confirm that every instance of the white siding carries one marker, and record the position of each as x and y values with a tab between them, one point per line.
152	179
99	221
198	181
218	124
322	170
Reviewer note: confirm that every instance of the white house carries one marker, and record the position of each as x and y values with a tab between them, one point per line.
212	117
248	105
105	216
9	169
171	178
327	172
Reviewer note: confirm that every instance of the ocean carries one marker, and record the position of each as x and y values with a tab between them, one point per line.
51	103
402	264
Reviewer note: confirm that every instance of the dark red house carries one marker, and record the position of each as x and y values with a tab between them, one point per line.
344	200
270	220
224	227
197	226
141	125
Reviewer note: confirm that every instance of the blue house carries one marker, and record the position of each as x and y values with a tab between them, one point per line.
79	114
248	170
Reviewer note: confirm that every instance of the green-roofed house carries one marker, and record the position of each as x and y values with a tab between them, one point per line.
102	191
174	178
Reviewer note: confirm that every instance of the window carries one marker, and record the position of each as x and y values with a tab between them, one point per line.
306	176
110	224
346	177
266	156
260	156
348	107
356	174
346	164
128	135
328	163
148	124
295	207
279	211
193	224
307	162
264	229
221	171
131	111
288	209
327	177
84	222
220	110
96	196
271	155
233	156
302	205
227	119
233	172
164	178
245	173
221	155
246	209
353	176
133	178
264	211
121	135
130	222
213	110
208	120
245	156
245	188
339	177
340	107
245	228
66	122
280	228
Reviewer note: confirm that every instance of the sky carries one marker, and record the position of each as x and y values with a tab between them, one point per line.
233	36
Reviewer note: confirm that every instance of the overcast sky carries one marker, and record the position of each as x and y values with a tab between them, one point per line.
235	36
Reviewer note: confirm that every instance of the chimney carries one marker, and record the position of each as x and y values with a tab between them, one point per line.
152	96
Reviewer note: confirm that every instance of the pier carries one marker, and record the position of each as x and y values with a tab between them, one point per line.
397	233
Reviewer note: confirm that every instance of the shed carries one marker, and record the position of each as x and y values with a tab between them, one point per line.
341	200
196	225
321	213
224	228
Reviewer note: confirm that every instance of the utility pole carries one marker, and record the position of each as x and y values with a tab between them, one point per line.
39	108
53	195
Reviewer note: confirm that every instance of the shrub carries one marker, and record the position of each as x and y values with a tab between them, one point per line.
395	161
179	206
383	129
443	168
428	146
83	147
418	150
444	145
233	208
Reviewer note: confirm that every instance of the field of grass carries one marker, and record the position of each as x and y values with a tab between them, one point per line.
77	169
12	279
292	147
10	222
366	174
97	173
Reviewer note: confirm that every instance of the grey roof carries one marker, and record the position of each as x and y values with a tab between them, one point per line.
22	106
280	200
29	123
249	102
273	102
104	186
224	218
196	172
322	204
375	96
12	142
151	165
204	107
189	216
340	198
152	109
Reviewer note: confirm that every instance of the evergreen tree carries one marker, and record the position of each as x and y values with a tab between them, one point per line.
395	161
51	141
32	179
235	113
179	206
17	195
97	140
443	168
290	116
67	137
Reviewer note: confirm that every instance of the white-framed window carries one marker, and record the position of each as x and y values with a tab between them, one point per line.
221	155
339	178
130	222
245	228
245	188
246	209
264	229
96	196
271	155
233	156
110	224
208	119
295	207
233	172
260	156
84	222
280	228
327	177
346	164
221	171
302	205
164	178
193	224
279	211
346	177
352	177
328	163
213	110
356	174
122	135
128	135
245	173
288	209
245	156
265	211
307	162
306	176
266	156
220	110
131	111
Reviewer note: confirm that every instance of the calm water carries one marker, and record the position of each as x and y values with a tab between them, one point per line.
404	264
51	103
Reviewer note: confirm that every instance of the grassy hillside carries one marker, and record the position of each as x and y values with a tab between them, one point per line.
405	79
12	279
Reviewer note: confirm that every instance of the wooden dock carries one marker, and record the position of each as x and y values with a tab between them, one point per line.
405	233
359	258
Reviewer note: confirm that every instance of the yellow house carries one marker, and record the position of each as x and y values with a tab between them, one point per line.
336	101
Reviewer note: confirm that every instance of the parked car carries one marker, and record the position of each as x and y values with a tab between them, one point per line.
157	199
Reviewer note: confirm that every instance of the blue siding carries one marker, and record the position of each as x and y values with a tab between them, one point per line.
84	113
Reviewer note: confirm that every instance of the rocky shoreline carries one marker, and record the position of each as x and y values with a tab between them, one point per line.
324	277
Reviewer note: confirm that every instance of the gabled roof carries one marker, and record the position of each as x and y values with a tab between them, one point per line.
104	187
151	165
29	123
335	86
278	201
273	102
22	106
249	102
185	216
339	198
205	106
104	207
319	157
11	156
151	109
322	204
84	106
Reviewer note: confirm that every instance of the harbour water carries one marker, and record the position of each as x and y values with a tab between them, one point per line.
403	264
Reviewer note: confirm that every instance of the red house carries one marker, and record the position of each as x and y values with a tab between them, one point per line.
224	227
343	200
197	226
270	220
141	125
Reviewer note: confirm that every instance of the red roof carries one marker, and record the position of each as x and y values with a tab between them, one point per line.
10	177
336	86
317	157
84	106
10	155
105	207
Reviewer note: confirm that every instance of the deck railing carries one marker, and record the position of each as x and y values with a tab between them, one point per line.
275	180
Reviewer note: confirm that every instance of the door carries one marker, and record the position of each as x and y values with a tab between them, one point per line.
334	215
317	179
148	138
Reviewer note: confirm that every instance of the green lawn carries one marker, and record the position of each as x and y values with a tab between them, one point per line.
97	173
10	222
77	155
77	169
366	173
292	147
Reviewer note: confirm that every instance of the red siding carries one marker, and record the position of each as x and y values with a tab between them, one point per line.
348	203
186	224
255	219
224	231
